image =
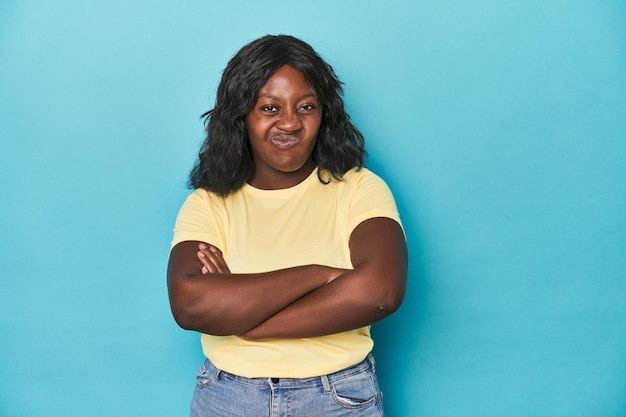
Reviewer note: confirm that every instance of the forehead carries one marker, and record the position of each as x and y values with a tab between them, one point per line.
286	79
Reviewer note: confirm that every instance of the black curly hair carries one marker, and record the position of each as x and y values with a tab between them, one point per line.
225	159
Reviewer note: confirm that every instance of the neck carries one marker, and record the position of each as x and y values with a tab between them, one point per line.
276	180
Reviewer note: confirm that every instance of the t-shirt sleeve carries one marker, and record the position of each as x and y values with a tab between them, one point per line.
371	198
196	220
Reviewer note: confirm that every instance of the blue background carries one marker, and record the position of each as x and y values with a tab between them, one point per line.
499	125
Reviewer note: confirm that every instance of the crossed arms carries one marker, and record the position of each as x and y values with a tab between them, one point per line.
304	301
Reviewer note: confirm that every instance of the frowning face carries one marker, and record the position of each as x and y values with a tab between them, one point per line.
282	129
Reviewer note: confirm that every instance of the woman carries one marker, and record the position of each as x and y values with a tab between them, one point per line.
288	249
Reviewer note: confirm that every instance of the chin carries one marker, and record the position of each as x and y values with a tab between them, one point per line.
291	167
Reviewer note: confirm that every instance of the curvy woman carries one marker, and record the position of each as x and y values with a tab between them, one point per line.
288	249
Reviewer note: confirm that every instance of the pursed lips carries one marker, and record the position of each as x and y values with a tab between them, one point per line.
284	142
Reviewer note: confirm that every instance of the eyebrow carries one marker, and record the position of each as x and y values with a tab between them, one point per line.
270	96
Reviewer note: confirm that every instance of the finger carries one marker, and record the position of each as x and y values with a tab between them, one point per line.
207	264
216	256
212	261
219	260
211	257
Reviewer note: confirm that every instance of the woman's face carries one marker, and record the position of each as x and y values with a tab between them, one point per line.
282	129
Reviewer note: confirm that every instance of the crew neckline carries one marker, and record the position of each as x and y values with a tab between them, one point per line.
296	189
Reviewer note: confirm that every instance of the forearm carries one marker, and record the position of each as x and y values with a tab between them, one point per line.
223	304
304	301
368	293
354	300
226	304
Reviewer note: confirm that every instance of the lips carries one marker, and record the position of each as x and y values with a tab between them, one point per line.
284	142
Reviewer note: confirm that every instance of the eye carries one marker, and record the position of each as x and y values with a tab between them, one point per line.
308	108
268	108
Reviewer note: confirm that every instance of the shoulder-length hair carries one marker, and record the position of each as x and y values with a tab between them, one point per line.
225	159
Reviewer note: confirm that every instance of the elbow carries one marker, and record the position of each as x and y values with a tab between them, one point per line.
184	320
190	310
390	303
190	316
184	317
389	297
188	319
376	296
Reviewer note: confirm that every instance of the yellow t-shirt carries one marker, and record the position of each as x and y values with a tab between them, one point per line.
266	230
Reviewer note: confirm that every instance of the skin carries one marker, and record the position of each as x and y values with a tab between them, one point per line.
305	301
282	129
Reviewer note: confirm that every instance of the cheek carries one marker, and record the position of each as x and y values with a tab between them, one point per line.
254	129
314	125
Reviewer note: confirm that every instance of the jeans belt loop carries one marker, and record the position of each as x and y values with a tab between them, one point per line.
326	384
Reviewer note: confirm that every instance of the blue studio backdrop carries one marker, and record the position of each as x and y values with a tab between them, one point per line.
499	125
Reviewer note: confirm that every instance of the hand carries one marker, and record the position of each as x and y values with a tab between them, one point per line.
212	259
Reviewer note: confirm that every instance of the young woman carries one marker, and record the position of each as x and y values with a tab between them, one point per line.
288	249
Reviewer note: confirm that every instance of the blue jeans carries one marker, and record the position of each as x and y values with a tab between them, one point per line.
351	392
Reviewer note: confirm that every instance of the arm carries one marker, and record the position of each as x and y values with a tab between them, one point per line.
221	303
370	292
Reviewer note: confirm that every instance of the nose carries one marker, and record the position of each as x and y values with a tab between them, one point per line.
289	121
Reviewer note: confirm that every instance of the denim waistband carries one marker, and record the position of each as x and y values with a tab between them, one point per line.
324	380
